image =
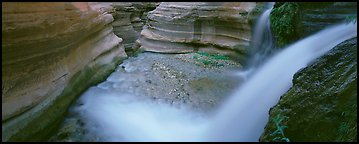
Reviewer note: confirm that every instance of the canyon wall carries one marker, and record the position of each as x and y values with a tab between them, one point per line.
130	17
214	27
322	103
51	52
291	21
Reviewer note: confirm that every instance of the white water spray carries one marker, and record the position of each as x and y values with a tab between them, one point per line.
261	46
115	116
244	116
118	116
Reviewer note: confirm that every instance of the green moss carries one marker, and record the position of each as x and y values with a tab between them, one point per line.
351	19
322	103
283	20
214	56
289	19
209	59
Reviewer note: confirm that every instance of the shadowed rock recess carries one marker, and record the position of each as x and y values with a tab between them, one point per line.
291	21
51	52
322	103
129	20
214	27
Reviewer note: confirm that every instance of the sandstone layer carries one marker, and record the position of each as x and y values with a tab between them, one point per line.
214	27
51	52
129	20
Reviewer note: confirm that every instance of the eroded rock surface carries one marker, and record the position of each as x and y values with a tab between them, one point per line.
51	52
129	20
214	27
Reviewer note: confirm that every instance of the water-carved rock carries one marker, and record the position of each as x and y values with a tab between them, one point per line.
51	52
129	20
214	27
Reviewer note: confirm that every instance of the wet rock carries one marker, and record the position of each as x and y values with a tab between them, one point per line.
322	103
291	21
314	18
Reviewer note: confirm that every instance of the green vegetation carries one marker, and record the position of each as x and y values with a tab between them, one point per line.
322	103
347	128
289	20
352	18
283	20
280	129
209	59
214	56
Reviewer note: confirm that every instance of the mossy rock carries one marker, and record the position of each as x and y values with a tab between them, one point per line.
284	18
322	103
291	21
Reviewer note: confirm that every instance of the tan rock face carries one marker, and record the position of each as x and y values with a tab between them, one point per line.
129	19
43	46
173	27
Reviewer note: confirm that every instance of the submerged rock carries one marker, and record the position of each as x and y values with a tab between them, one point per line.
322	103
51	52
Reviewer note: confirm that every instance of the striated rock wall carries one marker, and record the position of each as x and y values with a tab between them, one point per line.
129	20
215	27
291	21
51	52
313	19
322	103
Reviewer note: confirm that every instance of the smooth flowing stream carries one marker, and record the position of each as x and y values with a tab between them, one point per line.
119	116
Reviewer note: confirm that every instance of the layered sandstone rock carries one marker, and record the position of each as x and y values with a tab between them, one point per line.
51	52
179	27
129	20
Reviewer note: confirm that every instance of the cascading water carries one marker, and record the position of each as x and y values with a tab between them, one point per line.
244	115
261	46
117	116
262	42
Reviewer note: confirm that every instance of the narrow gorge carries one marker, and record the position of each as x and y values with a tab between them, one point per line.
179	71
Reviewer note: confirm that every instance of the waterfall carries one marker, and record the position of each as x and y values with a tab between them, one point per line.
118	116
261	46
262	41
244	115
